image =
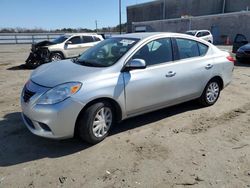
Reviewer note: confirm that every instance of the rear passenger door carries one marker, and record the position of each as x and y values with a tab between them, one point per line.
87	42
193	68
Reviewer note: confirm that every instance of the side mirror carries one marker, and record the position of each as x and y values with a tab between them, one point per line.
68	42
135	64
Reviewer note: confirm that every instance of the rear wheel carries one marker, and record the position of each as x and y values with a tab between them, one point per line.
96	122
211	93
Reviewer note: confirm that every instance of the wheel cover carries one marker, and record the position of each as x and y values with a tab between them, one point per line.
213	91
102	122
56	58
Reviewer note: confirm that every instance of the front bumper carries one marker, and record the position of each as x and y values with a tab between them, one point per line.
39	55
55	121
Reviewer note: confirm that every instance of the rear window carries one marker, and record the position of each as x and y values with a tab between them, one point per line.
203	49
187	48
87	39
205	33
96	38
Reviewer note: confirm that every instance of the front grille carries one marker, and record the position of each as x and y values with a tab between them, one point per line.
27	94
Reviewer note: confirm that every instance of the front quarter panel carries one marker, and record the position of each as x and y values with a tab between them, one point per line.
109	85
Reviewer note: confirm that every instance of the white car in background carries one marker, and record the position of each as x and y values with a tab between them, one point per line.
202	34
64	47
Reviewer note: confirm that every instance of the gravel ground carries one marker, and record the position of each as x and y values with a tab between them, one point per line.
180	146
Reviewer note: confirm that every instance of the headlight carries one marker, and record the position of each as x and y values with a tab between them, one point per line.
59	93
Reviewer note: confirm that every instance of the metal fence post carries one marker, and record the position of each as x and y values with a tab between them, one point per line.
33	41
16	39
48	37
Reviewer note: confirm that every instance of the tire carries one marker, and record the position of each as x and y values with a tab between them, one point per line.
33	64
211	93
88	122
56	57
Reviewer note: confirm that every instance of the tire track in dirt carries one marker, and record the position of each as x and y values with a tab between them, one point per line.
203	123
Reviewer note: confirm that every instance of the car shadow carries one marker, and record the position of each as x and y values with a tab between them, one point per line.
19	67
239	64
18	145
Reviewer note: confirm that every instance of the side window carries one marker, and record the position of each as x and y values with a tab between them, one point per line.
156	52
96	38
203	49
199	34
87	39
205	33
76	40
187	48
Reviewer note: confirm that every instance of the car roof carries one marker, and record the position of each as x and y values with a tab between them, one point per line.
81	34
197	30
145	35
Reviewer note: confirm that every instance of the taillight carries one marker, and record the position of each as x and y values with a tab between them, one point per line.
231	59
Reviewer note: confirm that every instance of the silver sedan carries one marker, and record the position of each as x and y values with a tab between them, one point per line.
119	78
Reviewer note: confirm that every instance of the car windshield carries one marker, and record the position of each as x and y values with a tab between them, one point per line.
107	52
60	39
191	33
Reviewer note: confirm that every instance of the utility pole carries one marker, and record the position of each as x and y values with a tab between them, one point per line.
120	16
164	10
224	6
96	25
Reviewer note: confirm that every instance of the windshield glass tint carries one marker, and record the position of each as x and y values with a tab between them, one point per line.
107	52
60	39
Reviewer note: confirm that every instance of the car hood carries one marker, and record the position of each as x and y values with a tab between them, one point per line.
245	47
43	43
55	73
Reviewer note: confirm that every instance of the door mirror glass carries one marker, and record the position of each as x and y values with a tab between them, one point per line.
135	64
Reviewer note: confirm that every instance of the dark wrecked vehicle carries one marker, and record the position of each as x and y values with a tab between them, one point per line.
63	47
241	47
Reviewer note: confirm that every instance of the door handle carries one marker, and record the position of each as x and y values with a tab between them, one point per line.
209	66
170	74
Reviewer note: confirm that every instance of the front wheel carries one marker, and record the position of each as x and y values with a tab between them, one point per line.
210	94
95	123
56	57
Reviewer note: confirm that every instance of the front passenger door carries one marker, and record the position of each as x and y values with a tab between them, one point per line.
240	40
149	88
73	47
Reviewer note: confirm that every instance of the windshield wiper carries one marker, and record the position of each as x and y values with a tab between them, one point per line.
89	63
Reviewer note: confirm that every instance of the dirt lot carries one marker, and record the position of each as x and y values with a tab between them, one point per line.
181	146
